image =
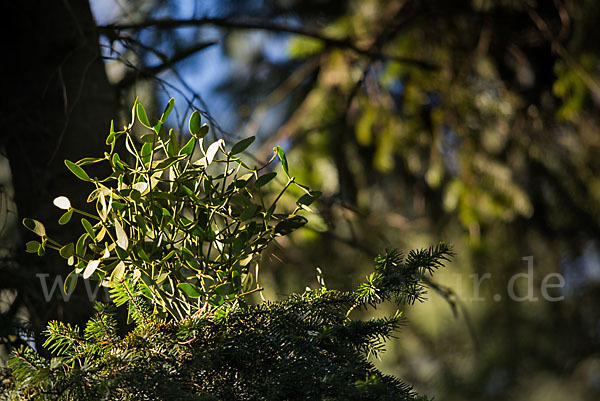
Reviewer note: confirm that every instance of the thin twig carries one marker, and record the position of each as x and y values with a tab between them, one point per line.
130	78
562	52
171	23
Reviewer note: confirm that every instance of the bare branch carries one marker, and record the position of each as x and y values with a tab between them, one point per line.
150	72
169	23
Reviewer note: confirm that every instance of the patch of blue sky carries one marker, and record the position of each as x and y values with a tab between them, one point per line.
200	75
105	11
582	270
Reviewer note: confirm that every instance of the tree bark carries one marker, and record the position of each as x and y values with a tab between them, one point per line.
57	104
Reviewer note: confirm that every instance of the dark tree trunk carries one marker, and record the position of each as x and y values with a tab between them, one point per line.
57	104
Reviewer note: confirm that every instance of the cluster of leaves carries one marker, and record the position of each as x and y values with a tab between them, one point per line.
301	348
186	221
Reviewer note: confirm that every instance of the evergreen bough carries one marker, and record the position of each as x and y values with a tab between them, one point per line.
191	335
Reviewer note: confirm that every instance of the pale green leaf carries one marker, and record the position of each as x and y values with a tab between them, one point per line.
90	268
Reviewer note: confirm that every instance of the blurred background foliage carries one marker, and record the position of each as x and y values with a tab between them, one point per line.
474	122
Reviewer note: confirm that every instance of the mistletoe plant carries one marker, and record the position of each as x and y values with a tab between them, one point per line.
175	233
180	225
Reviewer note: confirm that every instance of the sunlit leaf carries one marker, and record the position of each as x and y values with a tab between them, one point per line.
190	290
246	260
139	219
67	250
122	239
216	300
223	289
168	109
110	139
290	224
93	195
80	246
308	199
169	256
203	131
146	152
243	180
142	116
195	124
78	171
32	247
136	195
143	255
249	212
141	187
106	253
161	277
70	283
101	234
173	145
189	147
101	207
212	151
62	202
284	162
90	268
265	178
161	131
242	145
149	138
88	227
111	136
121	253
89	160
168	162
118	272
118	206
66	217
116	161
34	226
